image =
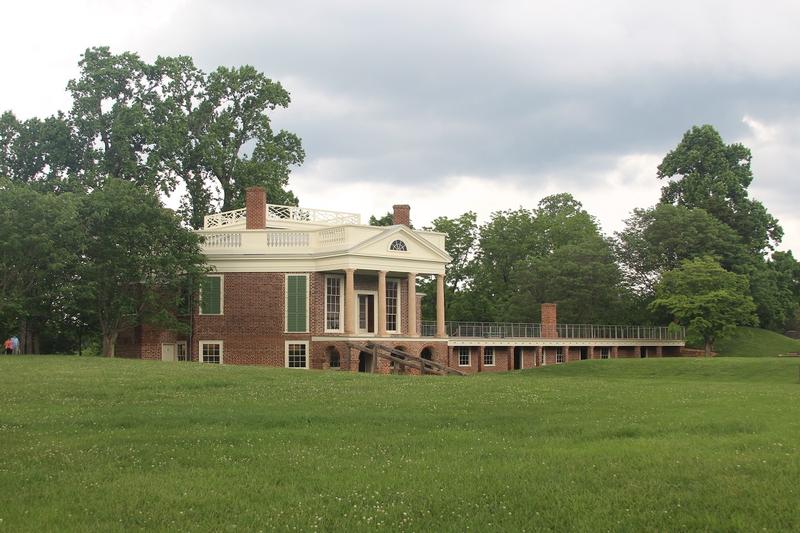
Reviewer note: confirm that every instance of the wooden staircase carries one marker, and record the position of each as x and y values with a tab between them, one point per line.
403	359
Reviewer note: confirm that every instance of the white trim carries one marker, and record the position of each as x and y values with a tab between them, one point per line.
469	355
200	344
341	303
494	356
357	310
286	300
174	351
399	310
185	350
307	355
221	296
560	352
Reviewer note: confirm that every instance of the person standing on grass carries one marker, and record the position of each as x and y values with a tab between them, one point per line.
9	346
15	344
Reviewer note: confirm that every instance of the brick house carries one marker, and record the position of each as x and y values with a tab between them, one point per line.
303	288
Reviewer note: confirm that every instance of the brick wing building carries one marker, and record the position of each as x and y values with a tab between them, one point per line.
305	288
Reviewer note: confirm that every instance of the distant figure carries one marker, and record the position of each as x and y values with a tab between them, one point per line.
9	346
15	344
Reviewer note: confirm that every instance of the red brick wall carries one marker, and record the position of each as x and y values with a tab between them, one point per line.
402	214
252	324
256	203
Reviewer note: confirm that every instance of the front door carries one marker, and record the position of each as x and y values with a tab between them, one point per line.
366	313
167	352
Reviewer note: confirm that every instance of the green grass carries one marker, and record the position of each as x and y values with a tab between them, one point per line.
633	445
751	342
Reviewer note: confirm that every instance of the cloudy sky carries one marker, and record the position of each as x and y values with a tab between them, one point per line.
455	106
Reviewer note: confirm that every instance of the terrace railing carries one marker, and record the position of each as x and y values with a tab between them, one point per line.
284	212
509	330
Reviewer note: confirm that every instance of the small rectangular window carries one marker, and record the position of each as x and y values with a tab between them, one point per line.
297	355
559	355
296	303
605	352
211	295
211	352
488	356
464	356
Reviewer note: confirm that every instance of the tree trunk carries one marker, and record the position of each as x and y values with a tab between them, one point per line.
707	348
109	340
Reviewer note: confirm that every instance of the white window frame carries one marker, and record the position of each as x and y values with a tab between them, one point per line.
469	355
490	349
185	350
341	303
560	355
357	312
405	245
286	355
286	300
221	296
399	313
200	350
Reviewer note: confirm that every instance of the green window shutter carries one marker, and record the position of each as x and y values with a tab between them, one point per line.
296	303
210	295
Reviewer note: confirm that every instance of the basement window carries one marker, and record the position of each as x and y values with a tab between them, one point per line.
605	353
559	355
211	352
463	356
488	356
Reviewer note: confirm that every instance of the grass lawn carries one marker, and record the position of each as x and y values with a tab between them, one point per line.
750	342
641	444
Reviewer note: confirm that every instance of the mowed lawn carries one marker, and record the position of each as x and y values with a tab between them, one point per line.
637	445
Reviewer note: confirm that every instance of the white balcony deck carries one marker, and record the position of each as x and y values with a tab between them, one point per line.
283	213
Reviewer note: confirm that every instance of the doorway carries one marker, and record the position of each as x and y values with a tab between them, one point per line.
518	358
643	352
366	362
366	312
584	353
167	352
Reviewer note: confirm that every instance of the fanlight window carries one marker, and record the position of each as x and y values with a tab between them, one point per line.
398	246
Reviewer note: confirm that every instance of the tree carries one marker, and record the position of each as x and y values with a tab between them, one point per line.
137	260
39	239
714	176
706	298
460	243
658	239
385	220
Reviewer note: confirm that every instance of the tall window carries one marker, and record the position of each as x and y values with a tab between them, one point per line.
181	352
296	303
488	356
605	352
297	355
392	305
559	355
333	303
211	295
463	356
211	352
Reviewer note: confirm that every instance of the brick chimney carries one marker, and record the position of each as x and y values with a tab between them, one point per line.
402	215
549	330
256	204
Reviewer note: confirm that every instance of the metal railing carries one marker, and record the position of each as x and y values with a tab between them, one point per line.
509	330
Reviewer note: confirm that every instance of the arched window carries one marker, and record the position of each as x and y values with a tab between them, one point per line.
398	246
333	357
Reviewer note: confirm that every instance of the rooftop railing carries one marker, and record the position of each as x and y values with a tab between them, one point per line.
509	330
284	212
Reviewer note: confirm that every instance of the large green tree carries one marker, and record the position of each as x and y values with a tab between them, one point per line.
706	173
658	239
138	261
39	239
706	298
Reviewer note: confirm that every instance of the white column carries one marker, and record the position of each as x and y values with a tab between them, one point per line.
440	331
349	301
382	303
412	305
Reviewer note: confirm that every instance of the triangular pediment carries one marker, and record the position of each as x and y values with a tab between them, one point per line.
416	247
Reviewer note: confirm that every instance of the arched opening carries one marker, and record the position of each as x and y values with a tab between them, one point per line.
398	368
365	362
332	356
427	353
